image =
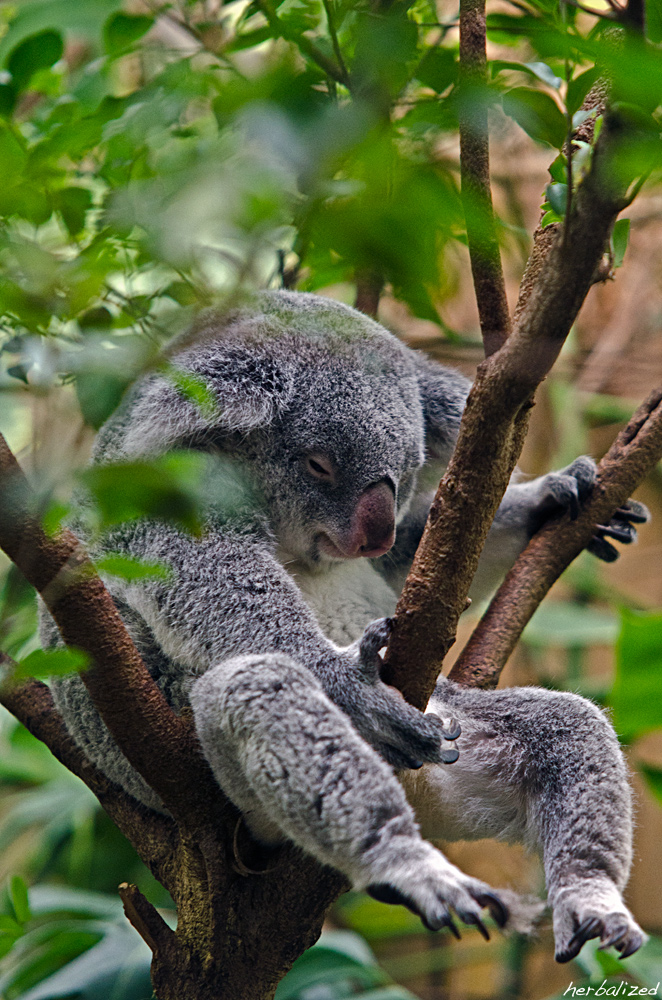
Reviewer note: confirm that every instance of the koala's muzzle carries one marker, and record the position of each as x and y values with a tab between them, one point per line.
372	530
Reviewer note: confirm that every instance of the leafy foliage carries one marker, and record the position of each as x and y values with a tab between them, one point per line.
158	161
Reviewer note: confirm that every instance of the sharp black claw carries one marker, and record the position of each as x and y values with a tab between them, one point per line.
590	928
634	944
498	911
633	511
603	549
448	756
475	921
619	530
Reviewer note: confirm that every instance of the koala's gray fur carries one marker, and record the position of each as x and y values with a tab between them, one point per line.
324	423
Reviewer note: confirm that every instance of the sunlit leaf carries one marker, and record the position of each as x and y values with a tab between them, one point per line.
51	662
619	240
18	892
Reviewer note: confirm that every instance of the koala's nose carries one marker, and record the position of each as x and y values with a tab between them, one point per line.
373	525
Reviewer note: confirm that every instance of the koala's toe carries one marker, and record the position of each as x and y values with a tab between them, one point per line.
584	471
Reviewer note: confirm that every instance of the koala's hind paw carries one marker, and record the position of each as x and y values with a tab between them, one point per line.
433	888
578	921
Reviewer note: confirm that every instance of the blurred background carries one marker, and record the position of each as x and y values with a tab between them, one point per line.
156	159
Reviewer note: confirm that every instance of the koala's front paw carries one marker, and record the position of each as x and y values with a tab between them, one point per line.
621	527
568	489
564	490
582	914
404	737
431	887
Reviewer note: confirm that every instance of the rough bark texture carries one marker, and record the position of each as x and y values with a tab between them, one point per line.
632	456
494	425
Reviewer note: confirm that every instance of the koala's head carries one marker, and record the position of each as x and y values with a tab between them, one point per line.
320	403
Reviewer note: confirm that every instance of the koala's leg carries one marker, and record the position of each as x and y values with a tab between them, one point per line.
546	768
296	767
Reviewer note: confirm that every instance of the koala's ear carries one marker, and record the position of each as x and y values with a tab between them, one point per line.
249	387
443	394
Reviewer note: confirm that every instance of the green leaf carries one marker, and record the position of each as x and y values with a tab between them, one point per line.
537	113
558	169
579	87
653	778
10	926
33	54
195	389
166	489
545	73
619	240
131	568
73	204
557	195
18	892
121	31
99	394
635	696
52	663
437	69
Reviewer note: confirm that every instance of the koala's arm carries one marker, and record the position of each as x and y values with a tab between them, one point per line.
545	768
229	597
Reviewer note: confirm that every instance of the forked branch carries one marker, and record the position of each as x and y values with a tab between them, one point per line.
632	456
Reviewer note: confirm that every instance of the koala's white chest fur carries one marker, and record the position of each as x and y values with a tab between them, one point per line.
345	597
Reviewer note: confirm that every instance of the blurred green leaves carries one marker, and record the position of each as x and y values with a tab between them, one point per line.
635	698
167	488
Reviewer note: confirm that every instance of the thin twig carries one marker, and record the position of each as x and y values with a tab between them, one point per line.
484	252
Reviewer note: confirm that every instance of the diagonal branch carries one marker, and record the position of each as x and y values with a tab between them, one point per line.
632	456
489	284
122	689
493	428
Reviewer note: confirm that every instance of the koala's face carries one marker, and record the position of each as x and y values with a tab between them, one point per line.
338	467
319	404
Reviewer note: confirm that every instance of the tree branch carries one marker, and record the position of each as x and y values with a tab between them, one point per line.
122	689
484	252
493	429
632	456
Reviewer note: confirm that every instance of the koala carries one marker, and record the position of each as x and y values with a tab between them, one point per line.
320	462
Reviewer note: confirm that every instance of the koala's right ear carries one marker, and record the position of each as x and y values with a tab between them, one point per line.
250	389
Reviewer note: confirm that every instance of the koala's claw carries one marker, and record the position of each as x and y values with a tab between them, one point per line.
433	890
616	928
498	911
374	638
621	528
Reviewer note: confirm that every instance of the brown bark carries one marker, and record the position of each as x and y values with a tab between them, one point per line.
489	284
494	425
632	456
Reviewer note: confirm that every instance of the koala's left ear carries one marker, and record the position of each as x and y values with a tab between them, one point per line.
250	389
443	394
